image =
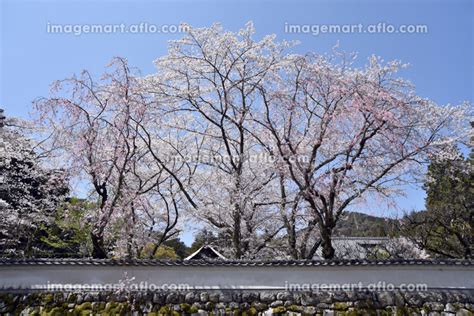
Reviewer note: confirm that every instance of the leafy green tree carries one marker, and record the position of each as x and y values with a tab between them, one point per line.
165	252
445	229
162	252
69	234
178	246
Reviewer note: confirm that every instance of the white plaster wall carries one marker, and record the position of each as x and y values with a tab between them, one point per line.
188	277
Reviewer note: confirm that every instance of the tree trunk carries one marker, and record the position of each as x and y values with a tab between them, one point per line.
288	223
130	233
310	254
236	236
292	243
327	248
98	251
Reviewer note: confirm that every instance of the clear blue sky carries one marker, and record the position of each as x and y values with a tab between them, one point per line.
31	58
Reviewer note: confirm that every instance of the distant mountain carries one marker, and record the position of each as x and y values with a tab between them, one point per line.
356	224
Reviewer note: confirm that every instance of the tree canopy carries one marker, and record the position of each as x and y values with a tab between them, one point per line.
244	137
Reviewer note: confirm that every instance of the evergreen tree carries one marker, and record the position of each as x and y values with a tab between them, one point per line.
446	228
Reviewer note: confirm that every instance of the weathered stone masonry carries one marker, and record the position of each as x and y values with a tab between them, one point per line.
446	302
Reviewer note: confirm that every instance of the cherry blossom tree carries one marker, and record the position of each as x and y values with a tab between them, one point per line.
29	192
102	131
338	134
210	78
344	134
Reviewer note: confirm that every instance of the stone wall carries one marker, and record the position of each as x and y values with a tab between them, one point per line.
238	303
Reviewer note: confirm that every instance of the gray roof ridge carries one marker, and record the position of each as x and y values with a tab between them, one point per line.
229	262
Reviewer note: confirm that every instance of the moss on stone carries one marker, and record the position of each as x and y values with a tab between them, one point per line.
236	312
350	311
47	298
83	306
252	311
115	308
259	306
210	306
279	310
55	304
35	313
101	306
403	310
341	306
185	307
295	308
164	310
167	310
55	311
72	298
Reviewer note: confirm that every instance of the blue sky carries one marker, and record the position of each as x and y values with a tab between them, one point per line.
441	59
